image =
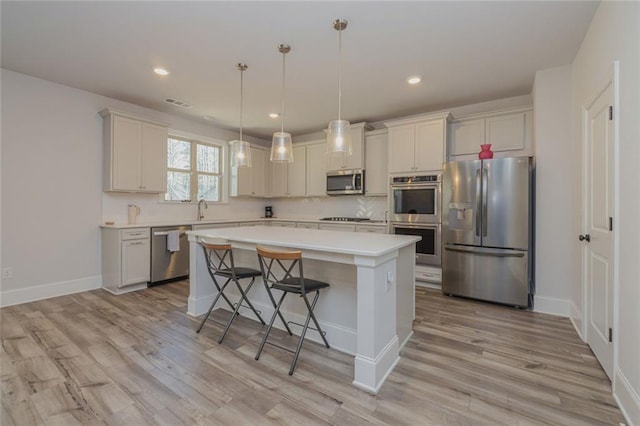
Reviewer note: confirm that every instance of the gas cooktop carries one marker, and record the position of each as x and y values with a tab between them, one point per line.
346	219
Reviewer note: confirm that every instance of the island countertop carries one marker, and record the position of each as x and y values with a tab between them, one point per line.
353	243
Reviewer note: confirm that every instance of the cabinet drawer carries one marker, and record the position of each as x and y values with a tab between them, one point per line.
307	225
135	234
428	274
371	229
284	224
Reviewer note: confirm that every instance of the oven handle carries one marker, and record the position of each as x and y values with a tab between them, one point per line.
417	186
412	226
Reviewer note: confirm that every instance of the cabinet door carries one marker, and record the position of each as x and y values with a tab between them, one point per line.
243	180
127	154
296	173
278	179
154	158
401	148
136	262
375	179
258	169
430	140
466	137
316	170
506	132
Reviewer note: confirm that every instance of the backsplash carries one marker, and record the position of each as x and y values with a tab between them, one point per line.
350	206
152	209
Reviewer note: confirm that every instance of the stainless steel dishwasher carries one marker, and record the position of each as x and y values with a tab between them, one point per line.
168	265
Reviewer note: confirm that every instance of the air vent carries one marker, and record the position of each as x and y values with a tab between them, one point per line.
178	103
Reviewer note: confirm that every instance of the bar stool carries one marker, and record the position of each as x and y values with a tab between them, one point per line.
219	258
282	263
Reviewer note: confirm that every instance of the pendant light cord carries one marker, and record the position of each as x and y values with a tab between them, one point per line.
284	54
339	72
241	99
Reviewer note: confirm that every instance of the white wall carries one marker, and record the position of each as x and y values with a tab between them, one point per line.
614	34
52	200
555	212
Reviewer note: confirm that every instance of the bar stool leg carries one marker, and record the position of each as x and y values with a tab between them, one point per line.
243	297
215	300
273	319
284	322
313	316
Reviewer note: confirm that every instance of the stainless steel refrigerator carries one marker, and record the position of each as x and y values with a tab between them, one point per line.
487	230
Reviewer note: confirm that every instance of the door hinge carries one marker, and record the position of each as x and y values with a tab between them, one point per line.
610	112
610	335
610	224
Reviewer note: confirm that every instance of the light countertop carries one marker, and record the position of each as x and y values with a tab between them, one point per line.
235	220
363	244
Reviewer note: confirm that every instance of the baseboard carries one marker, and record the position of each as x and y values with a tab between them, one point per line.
46	291
627	398
551	305
576	319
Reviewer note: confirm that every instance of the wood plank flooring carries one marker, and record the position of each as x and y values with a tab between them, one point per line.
94	358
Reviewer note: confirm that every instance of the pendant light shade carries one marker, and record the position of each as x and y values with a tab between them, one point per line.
339	133
281	146
240	149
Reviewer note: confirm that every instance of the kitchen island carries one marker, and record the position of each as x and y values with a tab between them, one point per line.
369	309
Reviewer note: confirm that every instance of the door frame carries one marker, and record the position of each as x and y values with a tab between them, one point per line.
612	77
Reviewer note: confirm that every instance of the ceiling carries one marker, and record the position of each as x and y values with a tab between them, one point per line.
466	52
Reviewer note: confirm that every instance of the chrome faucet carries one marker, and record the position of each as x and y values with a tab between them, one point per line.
206	206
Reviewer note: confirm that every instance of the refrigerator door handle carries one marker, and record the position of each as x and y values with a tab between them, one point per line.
486	252
485	197
478	201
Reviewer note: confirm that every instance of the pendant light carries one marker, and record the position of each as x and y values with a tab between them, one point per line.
240	149
281	148
338	134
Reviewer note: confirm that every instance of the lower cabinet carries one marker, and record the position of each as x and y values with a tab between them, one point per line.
337	227
283	224
306	225
126	259
371	229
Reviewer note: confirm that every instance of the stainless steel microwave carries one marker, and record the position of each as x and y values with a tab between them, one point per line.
345	182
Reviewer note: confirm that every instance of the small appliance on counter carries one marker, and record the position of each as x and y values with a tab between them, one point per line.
268	211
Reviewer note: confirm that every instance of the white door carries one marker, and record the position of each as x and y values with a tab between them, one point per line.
599	137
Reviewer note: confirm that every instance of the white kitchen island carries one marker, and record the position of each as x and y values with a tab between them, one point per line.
369	309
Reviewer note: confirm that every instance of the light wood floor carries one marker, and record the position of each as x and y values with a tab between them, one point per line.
135	359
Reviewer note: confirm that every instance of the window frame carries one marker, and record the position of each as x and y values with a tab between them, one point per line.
222	174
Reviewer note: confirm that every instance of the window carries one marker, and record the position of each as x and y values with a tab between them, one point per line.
193	170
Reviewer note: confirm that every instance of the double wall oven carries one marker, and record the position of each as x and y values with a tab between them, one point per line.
416	210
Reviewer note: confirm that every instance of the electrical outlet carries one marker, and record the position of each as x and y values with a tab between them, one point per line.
7	273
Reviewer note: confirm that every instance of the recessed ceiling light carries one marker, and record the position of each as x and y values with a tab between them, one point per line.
160	71
414	79
207	117
274	115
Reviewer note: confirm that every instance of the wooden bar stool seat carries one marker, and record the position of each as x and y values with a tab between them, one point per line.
219	259
277	269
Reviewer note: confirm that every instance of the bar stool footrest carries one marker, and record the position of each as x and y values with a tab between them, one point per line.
324	333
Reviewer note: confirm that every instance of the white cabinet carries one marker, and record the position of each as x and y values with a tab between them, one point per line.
316	169
283	224
289	179
306	225
375	169
417	144
372	229
250	181
510	133
254	223
135	153
337	227
356	159
126	259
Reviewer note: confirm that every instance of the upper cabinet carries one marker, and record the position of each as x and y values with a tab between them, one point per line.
316	169
356	159
375	179
289	179
510	133
135	153
250	181
417	144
